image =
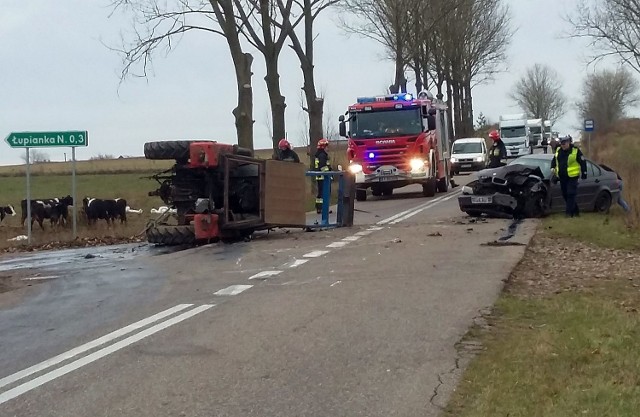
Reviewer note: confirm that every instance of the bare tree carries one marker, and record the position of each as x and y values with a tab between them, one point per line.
36	156
613	27
304	50
159	24
539	93
606	95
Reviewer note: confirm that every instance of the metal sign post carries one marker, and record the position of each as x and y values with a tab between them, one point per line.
72	139
589	126
28	197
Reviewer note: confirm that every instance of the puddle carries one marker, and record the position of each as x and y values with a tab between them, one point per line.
79	258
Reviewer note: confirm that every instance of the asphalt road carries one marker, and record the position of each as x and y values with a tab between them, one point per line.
347	322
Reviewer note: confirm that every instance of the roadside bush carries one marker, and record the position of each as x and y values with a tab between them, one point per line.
619	148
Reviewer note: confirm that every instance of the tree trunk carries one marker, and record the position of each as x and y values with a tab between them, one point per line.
418	72
469	108
243	113
452	131
277	102
400	83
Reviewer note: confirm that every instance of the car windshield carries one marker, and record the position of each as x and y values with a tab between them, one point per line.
383	124
543	164
469	147
536	130
513	132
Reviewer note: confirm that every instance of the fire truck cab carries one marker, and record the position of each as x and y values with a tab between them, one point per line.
396	140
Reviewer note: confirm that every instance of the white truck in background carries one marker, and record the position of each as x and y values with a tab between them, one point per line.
536	132
514	132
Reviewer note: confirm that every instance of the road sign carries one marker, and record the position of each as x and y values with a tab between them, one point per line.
589	125
47	139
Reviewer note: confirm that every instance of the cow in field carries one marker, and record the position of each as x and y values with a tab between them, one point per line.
54	209
105	209
6	211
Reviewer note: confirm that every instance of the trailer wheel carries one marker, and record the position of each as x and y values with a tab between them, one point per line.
429	188
171	235
361	194
170	149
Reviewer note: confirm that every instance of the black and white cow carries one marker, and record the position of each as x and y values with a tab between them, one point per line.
6	211
105	209
54	209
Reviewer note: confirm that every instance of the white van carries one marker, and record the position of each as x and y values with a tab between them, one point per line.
468	154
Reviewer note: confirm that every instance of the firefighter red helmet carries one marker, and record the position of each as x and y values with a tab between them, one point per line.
323	143
284	144
494	135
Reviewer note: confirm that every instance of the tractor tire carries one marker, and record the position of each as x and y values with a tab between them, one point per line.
171	235
170	149
361	194
429	188
442	186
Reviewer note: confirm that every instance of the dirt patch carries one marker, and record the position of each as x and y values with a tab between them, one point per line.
555	265
81	242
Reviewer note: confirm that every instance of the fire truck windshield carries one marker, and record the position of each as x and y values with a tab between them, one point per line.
381	124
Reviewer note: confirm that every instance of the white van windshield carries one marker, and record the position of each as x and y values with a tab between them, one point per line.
469	147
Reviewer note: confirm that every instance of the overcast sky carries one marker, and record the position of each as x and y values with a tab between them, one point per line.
57	74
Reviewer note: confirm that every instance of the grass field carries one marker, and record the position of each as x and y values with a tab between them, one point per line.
115	178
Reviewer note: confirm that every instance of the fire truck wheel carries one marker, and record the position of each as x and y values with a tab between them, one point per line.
387	192
429	188
376	191
442	185
170	149
361	194
171	235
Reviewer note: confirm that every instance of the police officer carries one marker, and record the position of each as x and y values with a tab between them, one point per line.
321	164
498	151
567	166
286	153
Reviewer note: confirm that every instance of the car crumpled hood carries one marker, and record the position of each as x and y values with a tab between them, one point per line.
515	173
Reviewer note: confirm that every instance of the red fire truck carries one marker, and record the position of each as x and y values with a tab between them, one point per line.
397	140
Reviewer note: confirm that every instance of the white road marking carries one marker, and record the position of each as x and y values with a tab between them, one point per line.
421	209
375	228
265	274
351	238
364	233
63	370
316	253
402	213
233	290
90	345
337	244
335	283
298	262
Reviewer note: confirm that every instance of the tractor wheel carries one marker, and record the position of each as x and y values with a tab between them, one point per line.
170	149
429	188
171	235
361	194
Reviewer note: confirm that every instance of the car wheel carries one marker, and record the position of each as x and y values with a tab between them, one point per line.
361	194
603	202
474	213
442	186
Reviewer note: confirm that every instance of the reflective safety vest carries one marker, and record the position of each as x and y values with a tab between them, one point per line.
573	167
323	168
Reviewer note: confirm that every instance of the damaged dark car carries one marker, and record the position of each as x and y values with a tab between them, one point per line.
524	189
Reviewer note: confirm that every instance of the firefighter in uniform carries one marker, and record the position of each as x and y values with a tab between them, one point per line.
498	151
321	164
286	153
567	166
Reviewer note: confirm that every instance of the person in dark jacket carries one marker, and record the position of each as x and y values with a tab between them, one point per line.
322	163
567	166
286	153
498	151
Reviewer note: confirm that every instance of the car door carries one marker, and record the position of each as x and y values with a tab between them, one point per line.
588	189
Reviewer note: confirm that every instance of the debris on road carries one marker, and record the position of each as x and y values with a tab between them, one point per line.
18	238
435	234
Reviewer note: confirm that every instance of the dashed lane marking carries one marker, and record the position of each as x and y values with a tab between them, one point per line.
233	290
298	262
315	254
337	244
351	238
265	274
364	233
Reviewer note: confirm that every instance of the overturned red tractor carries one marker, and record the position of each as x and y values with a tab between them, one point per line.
216	191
